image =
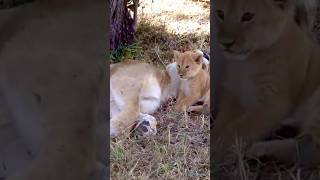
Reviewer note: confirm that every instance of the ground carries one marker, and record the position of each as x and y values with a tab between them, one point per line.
244	169
180	150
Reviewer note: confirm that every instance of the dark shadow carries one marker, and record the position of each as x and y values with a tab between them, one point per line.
5	4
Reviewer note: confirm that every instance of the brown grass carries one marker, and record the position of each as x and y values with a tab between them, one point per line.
244	169
180	150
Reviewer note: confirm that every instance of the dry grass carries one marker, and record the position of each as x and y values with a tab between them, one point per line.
252	169
182	17
180	150
166	25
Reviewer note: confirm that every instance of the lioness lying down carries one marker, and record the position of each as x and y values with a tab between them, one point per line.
136	90
52	91
271	92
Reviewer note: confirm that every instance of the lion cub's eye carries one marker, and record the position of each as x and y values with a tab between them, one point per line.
187	66
178	66
247	17
220	14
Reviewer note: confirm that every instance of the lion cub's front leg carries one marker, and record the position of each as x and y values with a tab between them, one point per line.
299	137
183	101
205	107
248	128
256	122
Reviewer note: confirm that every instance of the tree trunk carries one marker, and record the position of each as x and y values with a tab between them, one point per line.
122	24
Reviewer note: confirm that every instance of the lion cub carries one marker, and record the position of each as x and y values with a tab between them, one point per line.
270	95
194	81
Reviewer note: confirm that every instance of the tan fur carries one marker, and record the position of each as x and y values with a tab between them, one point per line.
195	81
52	81
135	82
271	81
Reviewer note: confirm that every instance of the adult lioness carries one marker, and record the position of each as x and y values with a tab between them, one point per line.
272	82
138	88
51	80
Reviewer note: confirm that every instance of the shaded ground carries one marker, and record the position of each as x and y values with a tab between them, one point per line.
180	150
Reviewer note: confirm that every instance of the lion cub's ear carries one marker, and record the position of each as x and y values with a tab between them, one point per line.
176	55
306	13
197	57
283	4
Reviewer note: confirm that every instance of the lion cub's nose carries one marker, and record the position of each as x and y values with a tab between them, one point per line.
227	43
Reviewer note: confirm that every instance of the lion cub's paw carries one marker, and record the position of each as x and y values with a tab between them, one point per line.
257	150
146	126
281	151
179	107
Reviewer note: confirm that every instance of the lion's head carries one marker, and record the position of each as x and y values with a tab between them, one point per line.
244	26
189	63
